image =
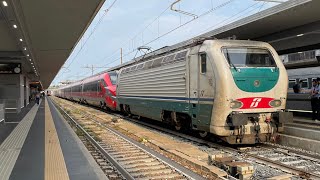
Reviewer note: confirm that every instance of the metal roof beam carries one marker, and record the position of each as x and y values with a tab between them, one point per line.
11	54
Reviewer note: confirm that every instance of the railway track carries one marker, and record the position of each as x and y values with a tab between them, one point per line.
295	164
132	159
269	161
109	170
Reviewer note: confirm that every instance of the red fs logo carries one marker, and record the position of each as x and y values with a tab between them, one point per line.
255	102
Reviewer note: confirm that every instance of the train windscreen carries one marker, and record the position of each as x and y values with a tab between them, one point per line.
113	78
249	57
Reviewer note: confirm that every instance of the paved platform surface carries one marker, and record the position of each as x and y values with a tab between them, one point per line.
11	122
43	146
302	133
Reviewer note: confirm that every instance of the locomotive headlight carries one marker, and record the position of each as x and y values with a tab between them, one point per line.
275	103
236	104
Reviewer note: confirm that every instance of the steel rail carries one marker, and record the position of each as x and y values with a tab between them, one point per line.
179	168
121	169
278	165
296	171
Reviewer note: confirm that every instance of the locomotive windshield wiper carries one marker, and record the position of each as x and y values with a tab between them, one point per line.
228	58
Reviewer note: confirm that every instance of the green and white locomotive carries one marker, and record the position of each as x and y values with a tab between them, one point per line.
233	89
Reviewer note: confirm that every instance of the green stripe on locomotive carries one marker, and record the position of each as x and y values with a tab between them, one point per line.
255	79
152	108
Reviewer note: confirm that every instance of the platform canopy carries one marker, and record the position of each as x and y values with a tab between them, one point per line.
43	33
290	27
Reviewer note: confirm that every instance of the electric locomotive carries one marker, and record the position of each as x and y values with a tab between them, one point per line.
233	89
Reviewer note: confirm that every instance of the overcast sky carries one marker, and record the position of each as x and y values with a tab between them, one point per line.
129	24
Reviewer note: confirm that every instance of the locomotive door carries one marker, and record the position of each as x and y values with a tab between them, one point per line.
194	88
199	91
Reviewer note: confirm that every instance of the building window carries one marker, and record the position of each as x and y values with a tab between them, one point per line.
203	61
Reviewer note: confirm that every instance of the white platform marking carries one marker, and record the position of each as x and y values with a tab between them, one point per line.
11	147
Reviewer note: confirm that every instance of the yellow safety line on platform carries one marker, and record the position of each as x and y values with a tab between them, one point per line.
55	167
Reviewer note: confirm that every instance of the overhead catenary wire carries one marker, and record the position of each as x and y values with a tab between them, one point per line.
172	30
136	35
160	36
231	17
130	52
205	13
92	32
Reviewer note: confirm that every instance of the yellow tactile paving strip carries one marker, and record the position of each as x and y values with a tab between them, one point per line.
55	167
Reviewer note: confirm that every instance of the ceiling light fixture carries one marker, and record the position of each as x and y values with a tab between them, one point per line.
5	3
28	55
299	35
29	59
15	26
25	48
20	40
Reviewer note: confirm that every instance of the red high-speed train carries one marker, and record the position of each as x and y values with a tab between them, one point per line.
98	90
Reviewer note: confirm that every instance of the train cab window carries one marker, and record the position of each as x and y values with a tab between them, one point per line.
203	63
249	57
113	78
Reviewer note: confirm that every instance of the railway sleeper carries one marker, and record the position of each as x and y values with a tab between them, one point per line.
145	168
110	150
124	155
106	167
116	146
153	173
133	157
126	152
137	161
167	177
145	164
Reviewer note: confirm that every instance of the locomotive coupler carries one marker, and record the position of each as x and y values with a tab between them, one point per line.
241	132
257	129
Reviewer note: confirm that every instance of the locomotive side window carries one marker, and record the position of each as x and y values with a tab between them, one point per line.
203	63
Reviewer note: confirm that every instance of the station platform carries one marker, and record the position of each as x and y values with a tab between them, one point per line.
39	144
302	133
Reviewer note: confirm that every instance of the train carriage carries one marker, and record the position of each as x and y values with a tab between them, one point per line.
234	89
98	90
